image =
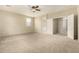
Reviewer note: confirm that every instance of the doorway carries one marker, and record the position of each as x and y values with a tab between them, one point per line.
60	26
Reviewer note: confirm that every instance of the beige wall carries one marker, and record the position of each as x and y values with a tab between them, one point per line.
12	23
43	25
38	24
63	13
78	21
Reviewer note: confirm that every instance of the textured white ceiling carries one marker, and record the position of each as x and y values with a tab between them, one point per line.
26	9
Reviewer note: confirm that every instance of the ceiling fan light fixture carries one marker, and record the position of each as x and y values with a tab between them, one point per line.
33	10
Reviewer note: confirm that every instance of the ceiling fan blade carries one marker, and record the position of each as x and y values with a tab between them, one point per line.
33	7
36	6
37	9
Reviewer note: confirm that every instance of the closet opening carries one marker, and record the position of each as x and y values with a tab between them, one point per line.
60	26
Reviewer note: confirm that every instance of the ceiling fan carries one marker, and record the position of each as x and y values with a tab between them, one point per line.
35	8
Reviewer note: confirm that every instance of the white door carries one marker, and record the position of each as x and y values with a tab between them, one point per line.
49	26
70	23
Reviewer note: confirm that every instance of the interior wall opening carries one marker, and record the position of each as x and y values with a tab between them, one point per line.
60	26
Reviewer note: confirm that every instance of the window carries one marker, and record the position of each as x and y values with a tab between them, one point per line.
28	22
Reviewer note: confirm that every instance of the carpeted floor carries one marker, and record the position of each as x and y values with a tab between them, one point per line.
38	43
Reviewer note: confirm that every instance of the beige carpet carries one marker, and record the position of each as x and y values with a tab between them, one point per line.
38	43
